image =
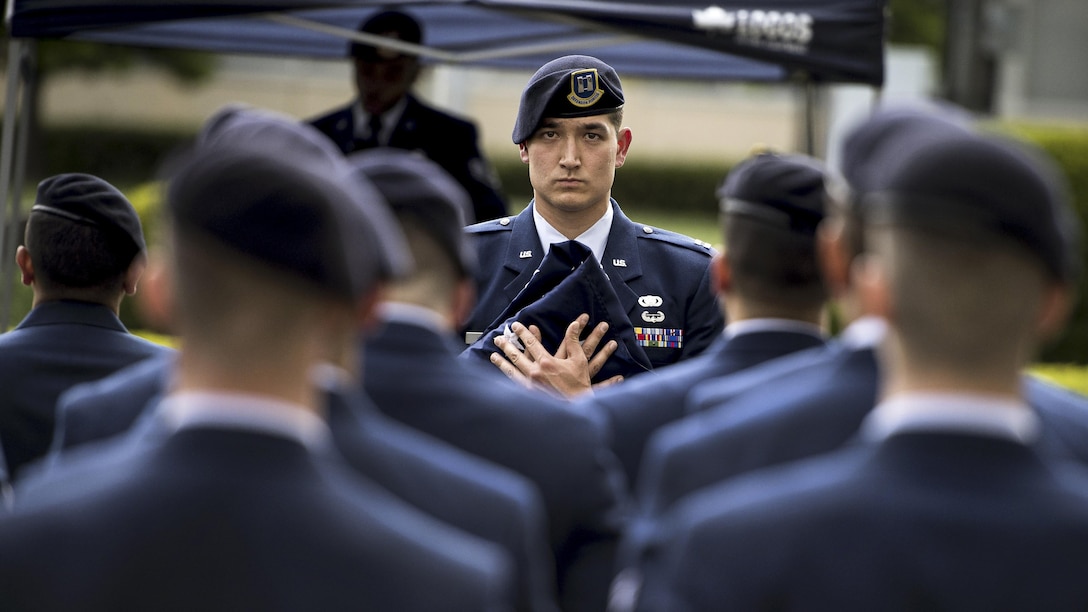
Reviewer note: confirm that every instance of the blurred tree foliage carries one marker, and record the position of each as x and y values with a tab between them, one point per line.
918	22
56	56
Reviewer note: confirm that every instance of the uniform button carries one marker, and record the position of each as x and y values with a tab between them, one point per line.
504	221
647	229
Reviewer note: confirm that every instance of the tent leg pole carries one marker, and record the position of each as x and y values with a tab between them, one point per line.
808	117
16	50
28	74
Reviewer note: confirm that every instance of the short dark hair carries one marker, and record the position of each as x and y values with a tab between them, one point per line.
403	25
68	254
772	265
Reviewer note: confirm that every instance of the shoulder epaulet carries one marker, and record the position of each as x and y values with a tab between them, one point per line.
494	225
693	244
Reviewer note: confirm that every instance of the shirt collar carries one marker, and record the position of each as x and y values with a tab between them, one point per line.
595	238
751	326
390	118
970	413
413	314
865	332
244	412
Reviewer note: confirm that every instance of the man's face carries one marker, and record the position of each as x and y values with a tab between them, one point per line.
572	162
381	83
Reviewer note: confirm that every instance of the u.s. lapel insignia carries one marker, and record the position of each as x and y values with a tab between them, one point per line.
525	255
619	263
653	317
649	301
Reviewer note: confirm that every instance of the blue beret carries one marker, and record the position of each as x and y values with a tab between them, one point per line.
783	190
568	283
968	183
87	199
571	86
417	187
268	187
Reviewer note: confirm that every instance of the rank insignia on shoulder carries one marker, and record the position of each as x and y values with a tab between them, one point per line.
525	255
659	337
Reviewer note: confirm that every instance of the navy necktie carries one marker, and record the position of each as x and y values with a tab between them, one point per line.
371	140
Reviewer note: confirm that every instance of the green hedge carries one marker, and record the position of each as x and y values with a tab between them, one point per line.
130	156
1068	145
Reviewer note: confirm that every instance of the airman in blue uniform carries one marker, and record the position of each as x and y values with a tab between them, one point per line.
569	132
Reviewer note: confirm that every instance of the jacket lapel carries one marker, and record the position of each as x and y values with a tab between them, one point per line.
523	254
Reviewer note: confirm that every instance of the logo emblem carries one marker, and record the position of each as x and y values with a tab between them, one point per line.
653	317
649	301
585	88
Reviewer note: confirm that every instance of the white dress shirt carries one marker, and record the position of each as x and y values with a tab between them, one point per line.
390	118
751	326
595	238
244	412
969	413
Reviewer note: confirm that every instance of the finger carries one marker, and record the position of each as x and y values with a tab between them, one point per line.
598	360
533	348
513	354
508	368
618	378
594	340
571	343
536	332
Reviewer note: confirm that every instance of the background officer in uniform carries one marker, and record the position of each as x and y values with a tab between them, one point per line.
387	114
569	131
83	252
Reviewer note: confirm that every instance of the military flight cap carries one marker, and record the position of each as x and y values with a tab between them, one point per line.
256	191
569	282
394	24
87	199
416	187
570	86
787	191
967	183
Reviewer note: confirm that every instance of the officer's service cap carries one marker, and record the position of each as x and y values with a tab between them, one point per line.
969	183
416	187
571	86
259	188
891	134
787	191
394	24
87	199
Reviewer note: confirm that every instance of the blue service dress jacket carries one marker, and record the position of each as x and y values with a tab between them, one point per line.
446	140
662	280
413	374
223	519
812	410
109	406
57	345
636	409
455	487
920	521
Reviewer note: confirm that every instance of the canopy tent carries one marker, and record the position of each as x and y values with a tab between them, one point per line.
814	41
